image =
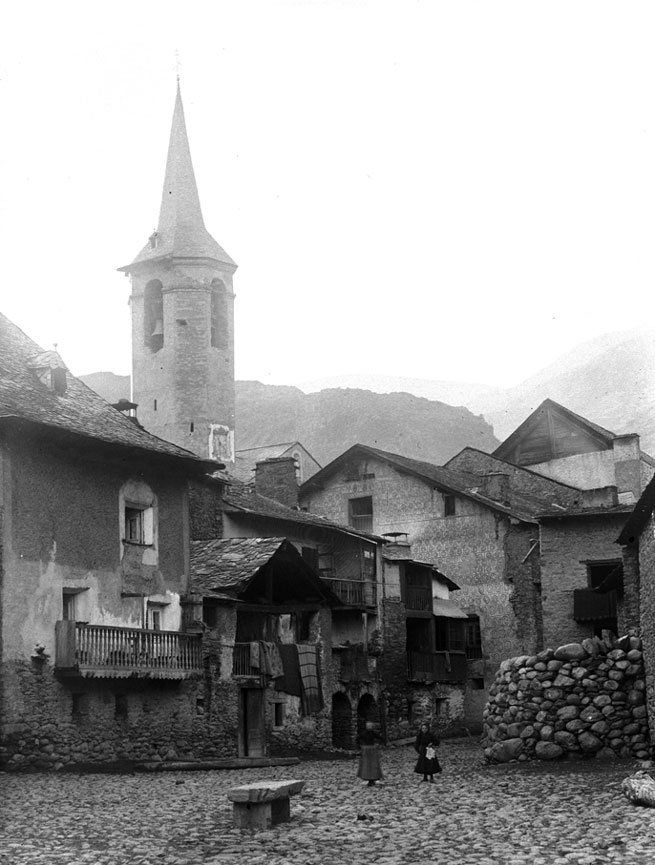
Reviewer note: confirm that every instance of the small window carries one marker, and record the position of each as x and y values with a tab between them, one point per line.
69	606
134	525
449	506
138	524
477	683
59	380
155	615
360	513
279	709
473	637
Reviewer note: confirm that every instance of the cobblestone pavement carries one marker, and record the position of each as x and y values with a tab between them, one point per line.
474	813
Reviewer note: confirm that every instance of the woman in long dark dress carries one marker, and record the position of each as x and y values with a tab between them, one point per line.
425	746
369	758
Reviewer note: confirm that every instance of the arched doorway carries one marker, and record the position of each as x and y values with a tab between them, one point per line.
367	710
342	719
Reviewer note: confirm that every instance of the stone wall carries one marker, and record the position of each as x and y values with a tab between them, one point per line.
582	699
566	547
646	588
51	724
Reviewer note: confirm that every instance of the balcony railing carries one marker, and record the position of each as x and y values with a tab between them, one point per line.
355	593
241	665
436	666
109	652
589	606
419	598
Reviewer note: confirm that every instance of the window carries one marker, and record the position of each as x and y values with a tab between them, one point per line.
59	380
473	637
278	708
154	616
449	506
138	511
449	634
153	315
69	606
134	525
368	561
360	513
477	683
138	524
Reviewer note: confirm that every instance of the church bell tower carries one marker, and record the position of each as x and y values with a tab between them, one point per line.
182	306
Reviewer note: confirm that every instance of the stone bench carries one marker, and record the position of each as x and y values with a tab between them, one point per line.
262	804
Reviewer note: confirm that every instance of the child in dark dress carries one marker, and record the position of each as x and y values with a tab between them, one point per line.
425	746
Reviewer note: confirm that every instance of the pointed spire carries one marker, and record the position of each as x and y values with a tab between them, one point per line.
181	229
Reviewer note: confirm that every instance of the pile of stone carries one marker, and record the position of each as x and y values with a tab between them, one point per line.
582	699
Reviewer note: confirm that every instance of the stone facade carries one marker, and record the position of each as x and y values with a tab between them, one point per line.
582	699
476	547
568	546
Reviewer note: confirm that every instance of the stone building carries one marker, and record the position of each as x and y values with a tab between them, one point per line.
476	525
582	590
183	318
99	660
363	664
637	540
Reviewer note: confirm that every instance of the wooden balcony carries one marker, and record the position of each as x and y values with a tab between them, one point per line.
99	651
241	666
355	593
436	666
418	599
590	606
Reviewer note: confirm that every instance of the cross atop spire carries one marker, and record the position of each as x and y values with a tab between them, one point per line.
181	229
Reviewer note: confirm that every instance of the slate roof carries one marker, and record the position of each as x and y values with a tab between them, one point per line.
229	563
181	229
224	568
242	498
79	411
522	505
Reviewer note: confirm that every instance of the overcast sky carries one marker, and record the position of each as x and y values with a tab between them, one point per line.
443	190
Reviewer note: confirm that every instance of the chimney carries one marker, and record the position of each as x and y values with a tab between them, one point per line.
495	485
627	468
397	546
277	478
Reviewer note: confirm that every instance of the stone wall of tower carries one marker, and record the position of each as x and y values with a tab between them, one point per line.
185	389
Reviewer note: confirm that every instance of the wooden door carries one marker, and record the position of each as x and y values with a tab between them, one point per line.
252	742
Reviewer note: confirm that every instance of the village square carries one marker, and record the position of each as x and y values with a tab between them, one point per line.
202	645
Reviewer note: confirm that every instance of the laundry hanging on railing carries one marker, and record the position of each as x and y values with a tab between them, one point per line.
312	695
289	681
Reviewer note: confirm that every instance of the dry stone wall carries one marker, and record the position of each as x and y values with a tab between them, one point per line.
582	699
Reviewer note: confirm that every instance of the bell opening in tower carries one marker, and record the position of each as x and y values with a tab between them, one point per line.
153	315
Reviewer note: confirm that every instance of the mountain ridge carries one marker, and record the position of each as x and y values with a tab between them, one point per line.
609	380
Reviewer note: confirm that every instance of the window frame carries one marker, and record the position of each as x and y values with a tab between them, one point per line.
363	522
